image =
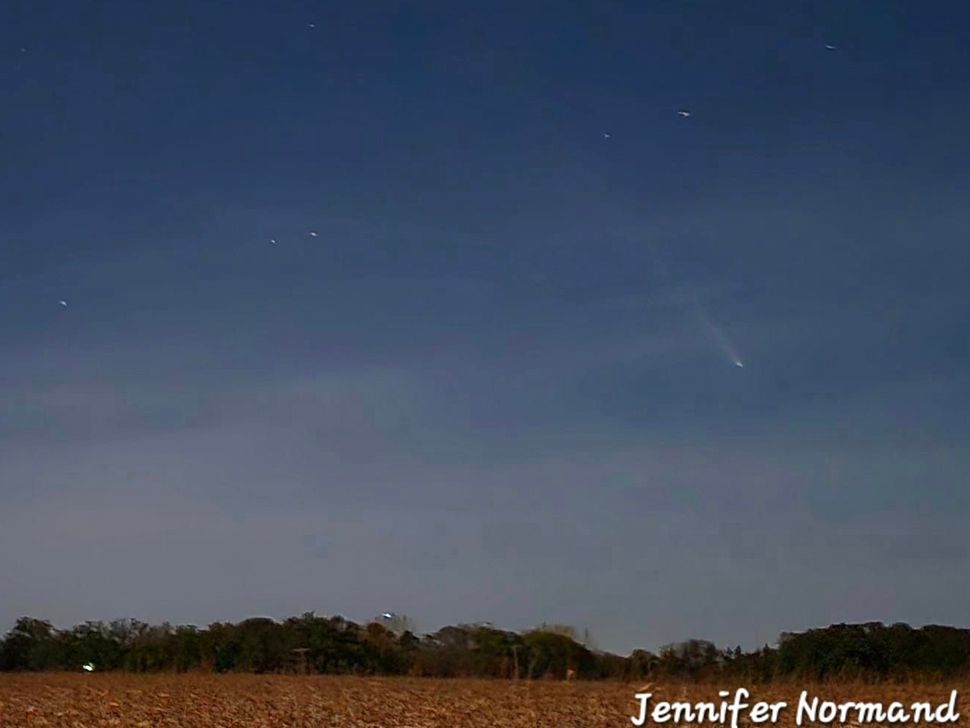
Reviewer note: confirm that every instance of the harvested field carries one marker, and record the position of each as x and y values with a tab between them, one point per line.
251	701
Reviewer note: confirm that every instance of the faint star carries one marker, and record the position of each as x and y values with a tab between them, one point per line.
313	233
829	47
272	241
683	113
605	135
311	26
63	304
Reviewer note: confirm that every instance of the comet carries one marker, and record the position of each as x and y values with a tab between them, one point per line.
717	334
704	320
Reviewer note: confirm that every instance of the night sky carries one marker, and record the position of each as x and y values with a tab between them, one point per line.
487	370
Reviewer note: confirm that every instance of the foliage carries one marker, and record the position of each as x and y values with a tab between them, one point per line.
334	645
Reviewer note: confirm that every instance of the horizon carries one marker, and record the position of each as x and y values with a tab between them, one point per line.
577	633
645	318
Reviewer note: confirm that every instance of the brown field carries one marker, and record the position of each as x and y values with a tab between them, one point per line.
251	701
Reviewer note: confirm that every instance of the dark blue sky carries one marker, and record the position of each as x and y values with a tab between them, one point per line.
498	383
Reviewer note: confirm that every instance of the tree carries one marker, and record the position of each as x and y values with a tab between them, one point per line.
551	654
94	643
32	644
262	647
396	623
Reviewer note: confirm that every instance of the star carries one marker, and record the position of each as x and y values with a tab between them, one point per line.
313	233
683	113
829	47
605	135
63	304
272	241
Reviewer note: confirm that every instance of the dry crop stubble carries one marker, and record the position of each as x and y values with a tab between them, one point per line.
66	700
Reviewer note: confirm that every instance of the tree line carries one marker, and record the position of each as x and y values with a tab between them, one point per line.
333	645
